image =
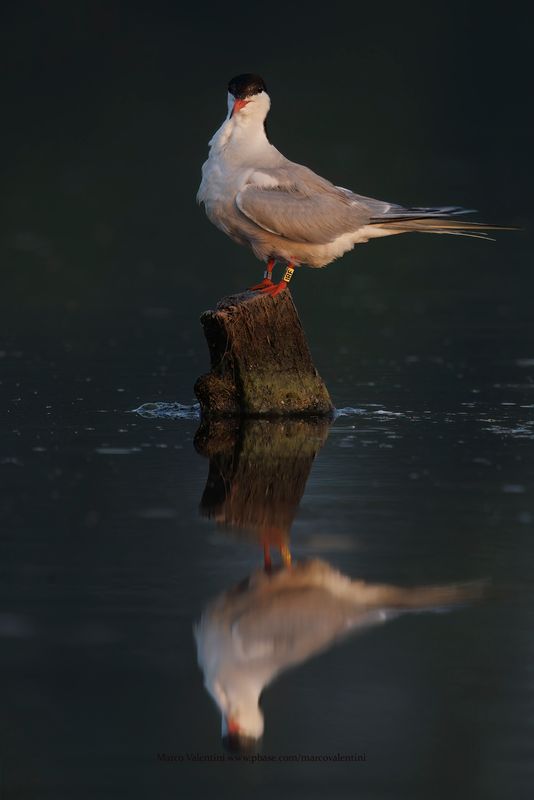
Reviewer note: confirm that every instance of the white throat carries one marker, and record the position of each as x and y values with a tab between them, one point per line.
238	700
243	131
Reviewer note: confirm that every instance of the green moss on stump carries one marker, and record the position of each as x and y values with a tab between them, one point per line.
260	361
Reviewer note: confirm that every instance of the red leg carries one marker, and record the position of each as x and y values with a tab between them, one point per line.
267	563
276	288
267	277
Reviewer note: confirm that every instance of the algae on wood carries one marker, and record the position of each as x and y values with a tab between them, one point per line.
260	361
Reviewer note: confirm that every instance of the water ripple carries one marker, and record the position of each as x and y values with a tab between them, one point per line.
168	411
348	412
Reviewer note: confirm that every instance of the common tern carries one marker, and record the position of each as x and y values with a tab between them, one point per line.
283	210
275	620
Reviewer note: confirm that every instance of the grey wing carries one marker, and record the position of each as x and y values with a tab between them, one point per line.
295	203
375	208
294	625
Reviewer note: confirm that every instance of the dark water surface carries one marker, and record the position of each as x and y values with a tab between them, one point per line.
107	561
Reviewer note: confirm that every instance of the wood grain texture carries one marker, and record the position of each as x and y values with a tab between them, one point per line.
260	361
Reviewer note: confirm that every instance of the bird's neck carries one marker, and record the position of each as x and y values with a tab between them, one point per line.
240	138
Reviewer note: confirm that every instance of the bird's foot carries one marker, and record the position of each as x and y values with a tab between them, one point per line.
266	282
274	288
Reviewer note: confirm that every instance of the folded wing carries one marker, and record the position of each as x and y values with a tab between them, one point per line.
294	203
298	205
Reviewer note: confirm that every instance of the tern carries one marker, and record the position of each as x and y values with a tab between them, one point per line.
285	212
275	620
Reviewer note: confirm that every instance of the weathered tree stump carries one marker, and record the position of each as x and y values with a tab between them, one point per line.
260	361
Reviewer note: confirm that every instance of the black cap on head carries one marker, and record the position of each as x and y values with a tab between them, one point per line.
246	85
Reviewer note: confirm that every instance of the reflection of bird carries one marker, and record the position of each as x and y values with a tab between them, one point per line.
273	621
284	211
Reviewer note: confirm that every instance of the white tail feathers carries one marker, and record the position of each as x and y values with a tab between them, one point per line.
418	597
435	220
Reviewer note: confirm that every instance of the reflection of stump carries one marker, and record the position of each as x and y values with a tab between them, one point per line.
260	361
258	472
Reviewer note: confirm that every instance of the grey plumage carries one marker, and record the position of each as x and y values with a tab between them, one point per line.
285	211
271	622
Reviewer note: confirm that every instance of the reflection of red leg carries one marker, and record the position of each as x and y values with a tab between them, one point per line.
267	277
267	563
286	555
276	288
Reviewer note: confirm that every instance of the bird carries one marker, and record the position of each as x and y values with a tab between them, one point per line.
287	213
274	620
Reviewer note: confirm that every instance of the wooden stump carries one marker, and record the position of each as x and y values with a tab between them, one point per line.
260	361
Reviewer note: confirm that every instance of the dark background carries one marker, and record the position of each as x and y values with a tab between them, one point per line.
106	265
108	108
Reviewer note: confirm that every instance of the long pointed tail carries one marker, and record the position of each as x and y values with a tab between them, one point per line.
418	597
436	220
